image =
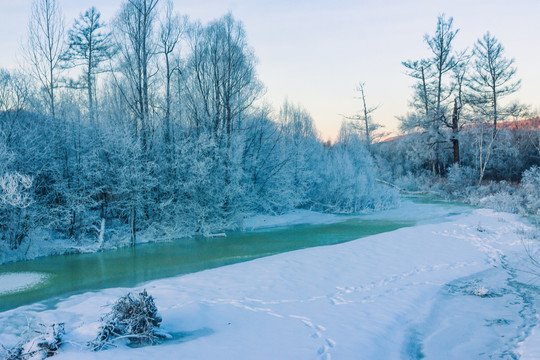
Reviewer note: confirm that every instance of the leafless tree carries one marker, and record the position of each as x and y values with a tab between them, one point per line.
172	26
15	91
459	73
15	96
419	70
444	60
364	117
45	46
222	80
135	36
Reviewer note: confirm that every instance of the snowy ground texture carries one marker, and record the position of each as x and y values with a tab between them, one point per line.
451	290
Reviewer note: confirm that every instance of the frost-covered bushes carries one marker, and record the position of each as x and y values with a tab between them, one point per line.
289	167
208	193
133	317
461	176
421	182
514	150
508	199
346	185
15	197
346	179
341	187
530	181
460	180
36	344
14	190
522	198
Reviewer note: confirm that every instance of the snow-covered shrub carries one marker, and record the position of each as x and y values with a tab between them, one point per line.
530	181
460	177
15	197
422	181
507	201
14	190
346	179
36	344
481	291
133	317
521	198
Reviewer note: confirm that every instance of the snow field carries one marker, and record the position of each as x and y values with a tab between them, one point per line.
447	290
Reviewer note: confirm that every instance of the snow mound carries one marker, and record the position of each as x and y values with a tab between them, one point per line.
16	282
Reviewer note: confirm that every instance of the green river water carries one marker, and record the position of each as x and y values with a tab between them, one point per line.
127	267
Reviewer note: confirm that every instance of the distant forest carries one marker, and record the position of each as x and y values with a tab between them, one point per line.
153	123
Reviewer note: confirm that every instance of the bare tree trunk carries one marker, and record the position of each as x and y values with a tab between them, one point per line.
484	160
51	91
168	103
90	85
133	225
366	117
494	94
455	129
424	87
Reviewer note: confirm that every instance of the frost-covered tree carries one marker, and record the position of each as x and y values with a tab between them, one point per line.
459	74
221	87
346	177
135	36
89	46
222	83
171	28
303	147
363	120
433	89
44	47
15	197
16	96
492	78
15	91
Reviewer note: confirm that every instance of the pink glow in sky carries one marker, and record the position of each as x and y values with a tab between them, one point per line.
314	52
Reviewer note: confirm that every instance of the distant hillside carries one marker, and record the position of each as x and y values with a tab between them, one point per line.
532	124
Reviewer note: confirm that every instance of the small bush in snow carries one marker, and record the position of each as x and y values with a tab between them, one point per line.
481	291
133	317
37	344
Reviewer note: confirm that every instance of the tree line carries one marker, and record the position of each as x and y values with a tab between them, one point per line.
157	123
458	119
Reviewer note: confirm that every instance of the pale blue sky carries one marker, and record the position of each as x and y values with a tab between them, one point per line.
314	52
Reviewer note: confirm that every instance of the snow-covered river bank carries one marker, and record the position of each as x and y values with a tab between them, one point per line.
54	276
449	289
